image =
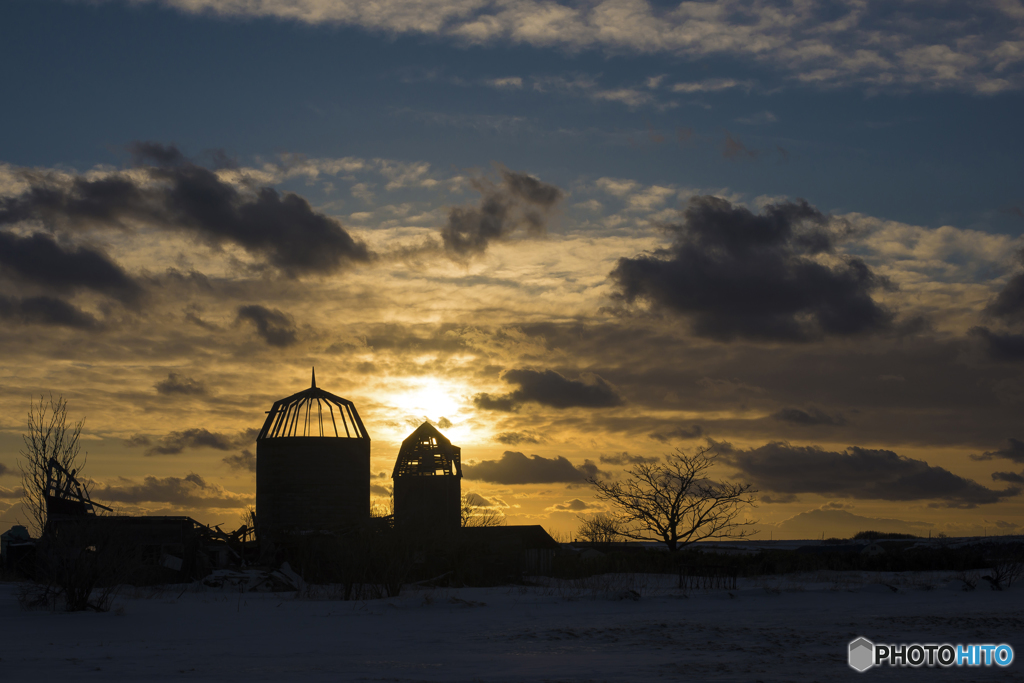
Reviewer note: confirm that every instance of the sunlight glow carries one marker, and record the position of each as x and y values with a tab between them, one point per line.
434	399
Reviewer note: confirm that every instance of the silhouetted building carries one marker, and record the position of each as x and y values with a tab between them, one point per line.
312	466
428	482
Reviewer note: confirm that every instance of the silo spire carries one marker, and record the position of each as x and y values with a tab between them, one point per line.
314	378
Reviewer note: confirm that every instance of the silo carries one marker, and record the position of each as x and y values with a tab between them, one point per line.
428	482
312	466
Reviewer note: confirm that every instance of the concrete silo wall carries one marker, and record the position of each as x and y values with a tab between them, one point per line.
308	483
428	502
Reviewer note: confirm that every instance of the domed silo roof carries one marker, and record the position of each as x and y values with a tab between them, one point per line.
312	466
303	414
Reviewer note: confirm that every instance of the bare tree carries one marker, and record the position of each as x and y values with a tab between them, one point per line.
49	436
676	503
474	514
600	528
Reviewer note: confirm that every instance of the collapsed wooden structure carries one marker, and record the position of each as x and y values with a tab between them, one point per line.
153	547
428	482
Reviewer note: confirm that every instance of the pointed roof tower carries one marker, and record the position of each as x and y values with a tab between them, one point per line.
427	452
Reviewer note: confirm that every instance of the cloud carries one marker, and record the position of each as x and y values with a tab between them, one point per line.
844	524
691	432
516	438
380	490
245	460
627	459
276	328
1009	302
551	389
176	442
1000	346
189	491
709	85
39	260
734	274
519	200
179	384
773	500
810	417
12	494
759	119
574	505
1011	477
516	468
897	45
860	473
45	310
476	500
5	470
169	191
1012	450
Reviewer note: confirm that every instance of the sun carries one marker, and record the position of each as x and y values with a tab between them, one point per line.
432	398
429	397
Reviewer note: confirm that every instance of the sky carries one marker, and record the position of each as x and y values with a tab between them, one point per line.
574	235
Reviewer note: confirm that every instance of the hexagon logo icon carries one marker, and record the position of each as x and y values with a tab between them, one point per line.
862	654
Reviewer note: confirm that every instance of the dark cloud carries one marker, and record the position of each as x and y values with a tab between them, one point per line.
861	473
516	438
735	274
38	259
516	468
1011	477
189	491
145	152
503	403
773	500
1013	450
1009	303
574	505
179	384
380	490
175	442
5	470
45	310
276	328
241	461
1001	346
549	388
810	417
519	200
627	459
281	229
691	432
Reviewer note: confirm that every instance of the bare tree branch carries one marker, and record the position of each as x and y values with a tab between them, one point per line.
676	503
48	436
476	515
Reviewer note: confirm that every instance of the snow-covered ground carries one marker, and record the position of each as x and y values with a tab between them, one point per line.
790	628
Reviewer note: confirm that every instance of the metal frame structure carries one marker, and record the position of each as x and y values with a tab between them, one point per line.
312	413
